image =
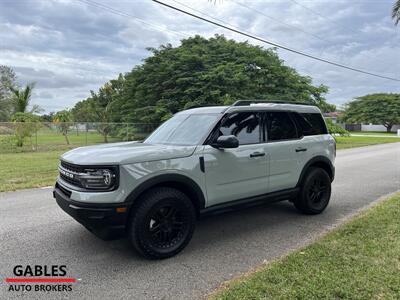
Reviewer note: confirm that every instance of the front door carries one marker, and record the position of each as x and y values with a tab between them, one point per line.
233	174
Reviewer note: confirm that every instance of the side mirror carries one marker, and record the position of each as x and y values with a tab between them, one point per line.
226	141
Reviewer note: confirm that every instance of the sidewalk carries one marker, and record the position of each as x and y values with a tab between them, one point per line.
376	135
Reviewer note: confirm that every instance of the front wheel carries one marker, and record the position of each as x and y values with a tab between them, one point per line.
162	224
315	192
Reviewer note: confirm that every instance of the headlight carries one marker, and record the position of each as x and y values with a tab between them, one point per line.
97	179
90	178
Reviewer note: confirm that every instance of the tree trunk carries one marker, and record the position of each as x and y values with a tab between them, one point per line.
105	138
66	138
389	127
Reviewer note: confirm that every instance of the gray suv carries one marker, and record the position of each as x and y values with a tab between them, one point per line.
201	161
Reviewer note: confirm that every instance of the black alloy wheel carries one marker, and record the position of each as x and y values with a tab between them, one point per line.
167	226
162	223
315	192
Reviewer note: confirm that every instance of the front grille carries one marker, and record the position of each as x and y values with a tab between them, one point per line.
73	169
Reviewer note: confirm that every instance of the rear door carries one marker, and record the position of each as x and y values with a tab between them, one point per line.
233	174
283	148
316	139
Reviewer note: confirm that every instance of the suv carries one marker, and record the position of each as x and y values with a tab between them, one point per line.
201	161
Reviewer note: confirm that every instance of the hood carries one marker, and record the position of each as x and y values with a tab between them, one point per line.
125	153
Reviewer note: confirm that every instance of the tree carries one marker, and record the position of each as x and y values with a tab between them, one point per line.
101	107
7	82
26	124
82	112
375	108
47	117
21	99
61	120
203	72
396	12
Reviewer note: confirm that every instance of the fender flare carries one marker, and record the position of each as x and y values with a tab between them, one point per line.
182	180
317	160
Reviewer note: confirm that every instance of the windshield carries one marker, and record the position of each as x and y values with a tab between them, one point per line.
183	129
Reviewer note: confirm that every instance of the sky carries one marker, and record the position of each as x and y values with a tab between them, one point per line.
69	47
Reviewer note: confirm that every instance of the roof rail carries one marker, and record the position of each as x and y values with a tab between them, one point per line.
249	102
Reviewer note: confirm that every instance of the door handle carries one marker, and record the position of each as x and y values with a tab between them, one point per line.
257	154
301	149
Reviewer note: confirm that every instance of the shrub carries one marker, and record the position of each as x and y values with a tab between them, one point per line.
26	124
336	129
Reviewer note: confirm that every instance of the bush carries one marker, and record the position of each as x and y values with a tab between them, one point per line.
8	143
336	129
26	124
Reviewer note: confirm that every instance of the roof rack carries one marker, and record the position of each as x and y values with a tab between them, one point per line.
249	102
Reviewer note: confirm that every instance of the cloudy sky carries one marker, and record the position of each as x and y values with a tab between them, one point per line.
69	47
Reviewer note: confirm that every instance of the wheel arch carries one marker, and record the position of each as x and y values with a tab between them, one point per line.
180	182
320	162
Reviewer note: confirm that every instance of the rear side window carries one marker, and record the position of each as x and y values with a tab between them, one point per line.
311	124
245	126
280	126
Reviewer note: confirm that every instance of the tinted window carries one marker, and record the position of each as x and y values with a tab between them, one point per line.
311	124
245	126
280	126
183	129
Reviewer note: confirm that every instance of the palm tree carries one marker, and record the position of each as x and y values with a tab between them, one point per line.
21	99
396	12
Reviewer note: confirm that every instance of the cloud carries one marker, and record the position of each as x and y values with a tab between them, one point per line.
69	48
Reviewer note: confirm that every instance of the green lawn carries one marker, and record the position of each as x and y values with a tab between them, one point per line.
360	141
47	140
359	260
28	170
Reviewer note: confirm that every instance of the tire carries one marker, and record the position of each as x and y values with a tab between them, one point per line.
315	192
162	223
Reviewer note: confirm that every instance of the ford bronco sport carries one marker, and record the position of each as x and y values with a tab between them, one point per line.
200	161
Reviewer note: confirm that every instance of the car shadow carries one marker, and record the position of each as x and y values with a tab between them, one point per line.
213	231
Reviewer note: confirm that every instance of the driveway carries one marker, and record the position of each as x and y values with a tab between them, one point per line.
33	230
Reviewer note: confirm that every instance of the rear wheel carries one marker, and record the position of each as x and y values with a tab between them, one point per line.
162	224
315	192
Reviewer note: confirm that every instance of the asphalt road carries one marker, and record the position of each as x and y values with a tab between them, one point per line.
33	230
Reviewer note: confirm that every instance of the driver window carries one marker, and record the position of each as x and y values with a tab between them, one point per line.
244	125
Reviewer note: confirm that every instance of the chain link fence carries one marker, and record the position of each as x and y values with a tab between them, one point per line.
45	136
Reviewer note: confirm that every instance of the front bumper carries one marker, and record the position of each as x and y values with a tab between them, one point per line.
104	220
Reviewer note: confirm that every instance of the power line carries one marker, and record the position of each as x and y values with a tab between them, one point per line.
276	44
278	21
124	14
250	8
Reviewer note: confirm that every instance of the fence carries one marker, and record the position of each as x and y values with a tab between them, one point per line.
42	136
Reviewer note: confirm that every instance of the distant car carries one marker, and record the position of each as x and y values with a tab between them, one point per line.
200	161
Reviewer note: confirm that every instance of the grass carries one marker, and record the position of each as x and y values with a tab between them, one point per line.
359	260
360	141
28	170
47	140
